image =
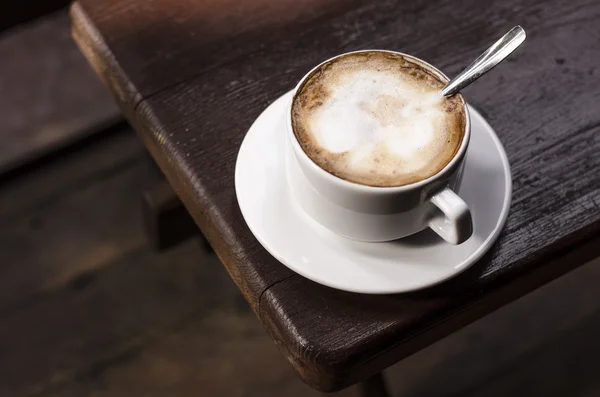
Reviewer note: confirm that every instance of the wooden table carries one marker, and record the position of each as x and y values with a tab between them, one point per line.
191	76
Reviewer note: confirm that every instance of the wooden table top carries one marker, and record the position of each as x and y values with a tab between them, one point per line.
191	76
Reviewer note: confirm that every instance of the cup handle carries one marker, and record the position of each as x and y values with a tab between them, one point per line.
453	222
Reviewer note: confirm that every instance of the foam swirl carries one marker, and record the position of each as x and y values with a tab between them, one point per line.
378	119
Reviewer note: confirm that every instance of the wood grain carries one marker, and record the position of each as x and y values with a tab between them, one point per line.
160	43
194	113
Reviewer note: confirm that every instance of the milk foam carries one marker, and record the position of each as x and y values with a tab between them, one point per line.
373	111
379	124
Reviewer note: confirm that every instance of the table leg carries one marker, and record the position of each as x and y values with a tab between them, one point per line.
374	387
167	221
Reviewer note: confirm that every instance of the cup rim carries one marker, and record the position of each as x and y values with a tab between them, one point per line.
446	170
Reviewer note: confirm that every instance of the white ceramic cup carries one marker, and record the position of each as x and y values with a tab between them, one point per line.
370	213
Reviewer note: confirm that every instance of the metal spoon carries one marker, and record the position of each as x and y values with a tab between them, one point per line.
486	61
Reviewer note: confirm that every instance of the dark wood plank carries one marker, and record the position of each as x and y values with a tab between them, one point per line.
176	40
215	208
105	317
194	128
59	222
51	97
60	177
362	335
91	43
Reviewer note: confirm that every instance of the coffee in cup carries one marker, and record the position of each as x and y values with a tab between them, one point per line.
377	118
375	153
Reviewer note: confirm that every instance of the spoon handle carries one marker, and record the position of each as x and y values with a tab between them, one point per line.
486	61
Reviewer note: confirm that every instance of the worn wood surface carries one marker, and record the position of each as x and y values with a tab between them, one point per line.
191	78
50	96
88	309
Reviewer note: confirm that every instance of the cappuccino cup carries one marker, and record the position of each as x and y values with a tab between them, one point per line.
375	152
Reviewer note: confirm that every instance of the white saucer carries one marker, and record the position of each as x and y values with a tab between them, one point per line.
408	264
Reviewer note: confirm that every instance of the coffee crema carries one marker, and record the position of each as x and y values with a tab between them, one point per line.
377	118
